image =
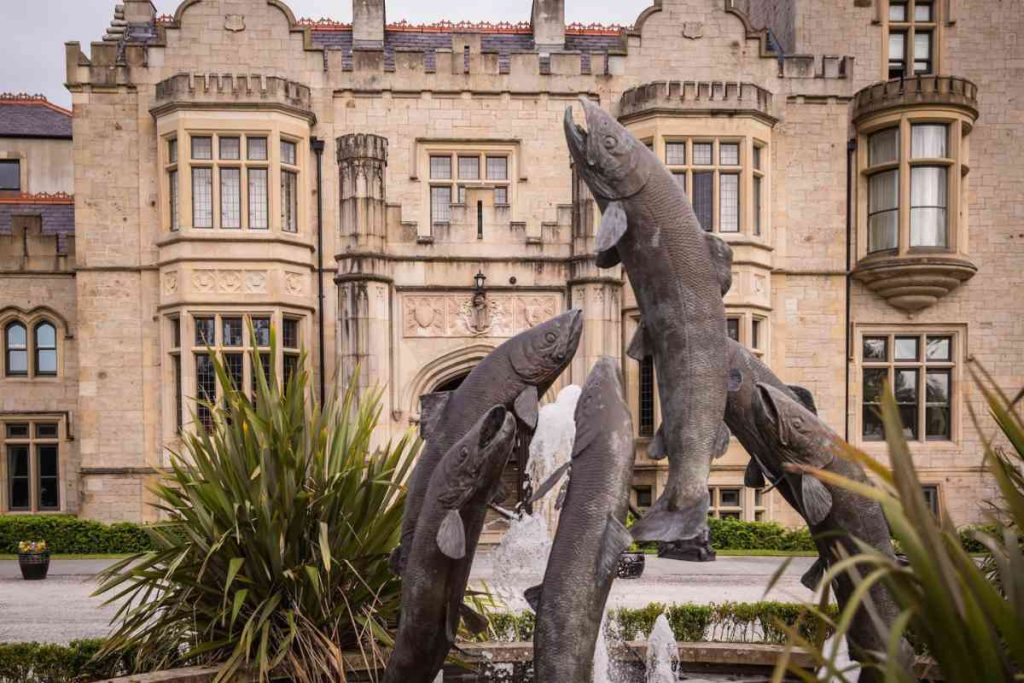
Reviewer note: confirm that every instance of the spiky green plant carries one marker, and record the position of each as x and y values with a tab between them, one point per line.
274	552
966	613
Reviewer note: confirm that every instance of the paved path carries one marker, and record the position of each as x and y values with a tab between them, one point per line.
61	608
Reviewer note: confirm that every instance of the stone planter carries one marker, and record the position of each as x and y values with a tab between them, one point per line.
34	566
631	565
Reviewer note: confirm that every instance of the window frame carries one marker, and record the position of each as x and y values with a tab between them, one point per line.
746	320
909	27
30	325
33	442
19	164
458	186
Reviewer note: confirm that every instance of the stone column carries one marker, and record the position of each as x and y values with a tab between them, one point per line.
548	22
363	279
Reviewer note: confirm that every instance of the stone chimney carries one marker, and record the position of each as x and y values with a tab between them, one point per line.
368	23
139	12
548	23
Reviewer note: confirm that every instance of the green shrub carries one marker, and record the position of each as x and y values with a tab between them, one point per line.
66	534
48	663
733	534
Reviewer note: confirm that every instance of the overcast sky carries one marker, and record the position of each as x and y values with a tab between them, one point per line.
33	32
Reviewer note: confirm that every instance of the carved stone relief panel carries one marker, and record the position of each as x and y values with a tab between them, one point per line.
475	315
231	281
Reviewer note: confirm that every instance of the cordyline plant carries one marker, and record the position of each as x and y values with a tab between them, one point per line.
966	613
274	553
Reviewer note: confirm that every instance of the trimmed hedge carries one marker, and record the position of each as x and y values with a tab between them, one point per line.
755	622
47	663
733	534
66	534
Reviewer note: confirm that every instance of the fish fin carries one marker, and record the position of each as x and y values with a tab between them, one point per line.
451	536
526	406
805	397
735	380
453	614
431	407
532	595
817	499
613	227
550	482
475	622
812	577
562	493
395	561
609	258
721	258
656	449
721	440
662	524
616	539
639	348
753	477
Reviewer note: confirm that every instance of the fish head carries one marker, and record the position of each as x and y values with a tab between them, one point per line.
607	156
601	406
475	462
540	354
777	414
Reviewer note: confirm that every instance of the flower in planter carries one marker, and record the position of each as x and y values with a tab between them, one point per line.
32	547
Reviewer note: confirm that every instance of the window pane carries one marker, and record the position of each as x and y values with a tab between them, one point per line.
206	389
897	11
939	349
937	387
17	349
261	328
644	496
905	385
875	348
257	149
501	195
202	197
928	206
703	198
646	398
937	423
702	153
922	11
17	336
289	152
874	383
232	331
172	178
922	52
729	202
10	175
233	364
441	168
172	151
937	408
46	336
230	149
49	477
928	141
175	333
497	168
931	498
19	497
291	365
732	328
681	179
757	157
18	430
757	205
202	148
884	146
176	388
755	333
469	168
883	214
905	348
729	497
289	201
258	207
729	154
290	333
440	204
46	430
675	153
897	47
230	198
205	330
46	362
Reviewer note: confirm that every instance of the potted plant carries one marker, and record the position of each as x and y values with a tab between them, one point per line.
34	560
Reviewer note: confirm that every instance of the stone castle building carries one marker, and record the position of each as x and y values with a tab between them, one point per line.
400	197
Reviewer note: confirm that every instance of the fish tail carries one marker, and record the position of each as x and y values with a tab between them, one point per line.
663	523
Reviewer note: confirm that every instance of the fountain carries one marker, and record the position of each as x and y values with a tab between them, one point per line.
662	652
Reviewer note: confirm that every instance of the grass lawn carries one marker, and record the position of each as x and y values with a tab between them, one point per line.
71	556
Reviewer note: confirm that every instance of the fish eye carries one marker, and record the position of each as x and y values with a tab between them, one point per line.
550	337
610	141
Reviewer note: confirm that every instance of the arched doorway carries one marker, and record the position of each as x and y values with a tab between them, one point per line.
512	484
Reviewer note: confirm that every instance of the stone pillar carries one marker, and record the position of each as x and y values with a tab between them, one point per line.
548	23
368	19
363	279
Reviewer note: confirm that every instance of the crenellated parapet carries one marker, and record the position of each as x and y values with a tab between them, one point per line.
946	91
235	89
666	97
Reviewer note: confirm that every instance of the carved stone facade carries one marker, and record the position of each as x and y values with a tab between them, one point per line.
233	162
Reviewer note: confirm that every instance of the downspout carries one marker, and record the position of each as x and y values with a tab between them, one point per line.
317	146
851	150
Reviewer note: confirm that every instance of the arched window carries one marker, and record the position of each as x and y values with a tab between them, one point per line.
16	350
46	349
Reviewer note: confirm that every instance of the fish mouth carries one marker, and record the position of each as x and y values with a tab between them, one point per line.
576	138
571	339
496	427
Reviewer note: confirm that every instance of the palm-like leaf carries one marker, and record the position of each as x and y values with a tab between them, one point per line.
274	552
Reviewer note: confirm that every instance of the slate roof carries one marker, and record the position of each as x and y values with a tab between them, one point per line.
57	213
32	116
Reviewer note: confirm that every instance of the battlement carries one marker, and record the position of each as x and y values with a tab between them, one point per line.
669	96
234	89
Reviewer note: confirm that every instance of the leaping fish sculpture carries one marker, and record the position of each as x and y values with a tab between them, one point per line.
514	375
678	272
450	521
591	534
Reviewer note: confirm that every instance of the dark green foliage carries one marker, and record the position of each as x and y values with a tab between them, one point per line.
48	663
733	534
66	534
